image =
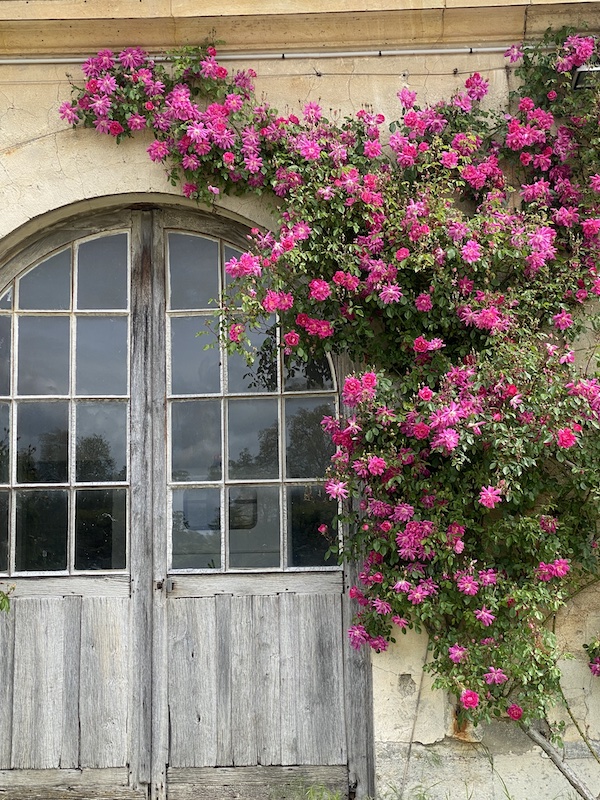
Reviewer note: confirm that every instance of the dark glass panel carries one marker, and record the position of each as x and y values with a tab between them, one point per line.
43	355
6	299
102	273
309	508
41	535
307	376
194	370
101	529
48	286
253	439
196	529
261	375
193	271
4	442
253	527
3	530
308	447
4	355
101	451
43	439
196	440
101	363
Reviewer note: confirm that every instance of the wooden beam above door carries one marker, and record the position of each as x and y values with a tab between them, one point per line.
66	27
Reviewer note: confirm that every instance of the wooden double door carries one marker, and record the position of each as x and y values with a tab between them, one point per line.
177	629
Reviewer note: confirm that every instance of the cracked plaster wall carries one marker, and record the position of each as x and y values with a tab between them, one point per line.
420	755
46	168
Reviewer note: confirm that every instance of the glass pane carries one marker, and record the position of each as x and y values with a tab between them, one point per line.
196	529
193	271
101	451
196	440
253	526
101	529
101	355
42	436
43	355
102	273
4	355
261	376
3	531
309	509
41	536
194	369
308	447
6	299
4	442
307	376
253	439
48	286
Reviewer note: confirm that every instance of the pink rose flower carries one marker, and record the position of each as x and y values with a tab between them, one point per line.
456	653
514	712
566	438
469	699
489	496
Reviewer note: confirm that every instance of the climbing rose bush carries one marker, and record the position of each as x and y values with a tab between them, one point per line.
452	255
473	516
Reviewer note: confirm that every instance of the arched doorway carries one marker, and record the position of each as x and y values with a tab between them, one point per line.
178	629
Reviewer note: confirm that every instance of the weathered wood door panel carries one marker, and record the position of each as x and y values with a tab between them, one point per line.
211	664
65	677
256	680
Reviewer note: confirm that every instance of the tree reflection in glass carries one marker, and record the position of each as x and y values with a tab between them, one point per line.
253	439
43	442
41	534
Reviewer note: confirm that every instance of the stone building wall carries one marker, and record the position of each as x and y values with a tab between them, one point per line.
46	168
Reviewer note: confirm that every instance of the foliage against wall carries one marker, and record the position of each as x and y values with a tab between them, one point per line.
454	254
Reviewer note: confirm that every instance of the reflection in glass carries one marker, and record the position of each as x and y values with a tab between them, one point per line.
101	451
196	529
41	535
302	376
102	273
43	355
6	299
4	355
194	370
253	526
100	529
101	365
3	530
42	437
193	271
48	286
261	376
308	509
253	439
4	442
196	440
309	448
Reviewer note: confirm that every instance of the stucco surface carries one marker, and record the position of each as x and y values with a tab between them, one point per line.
420	754
45	164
